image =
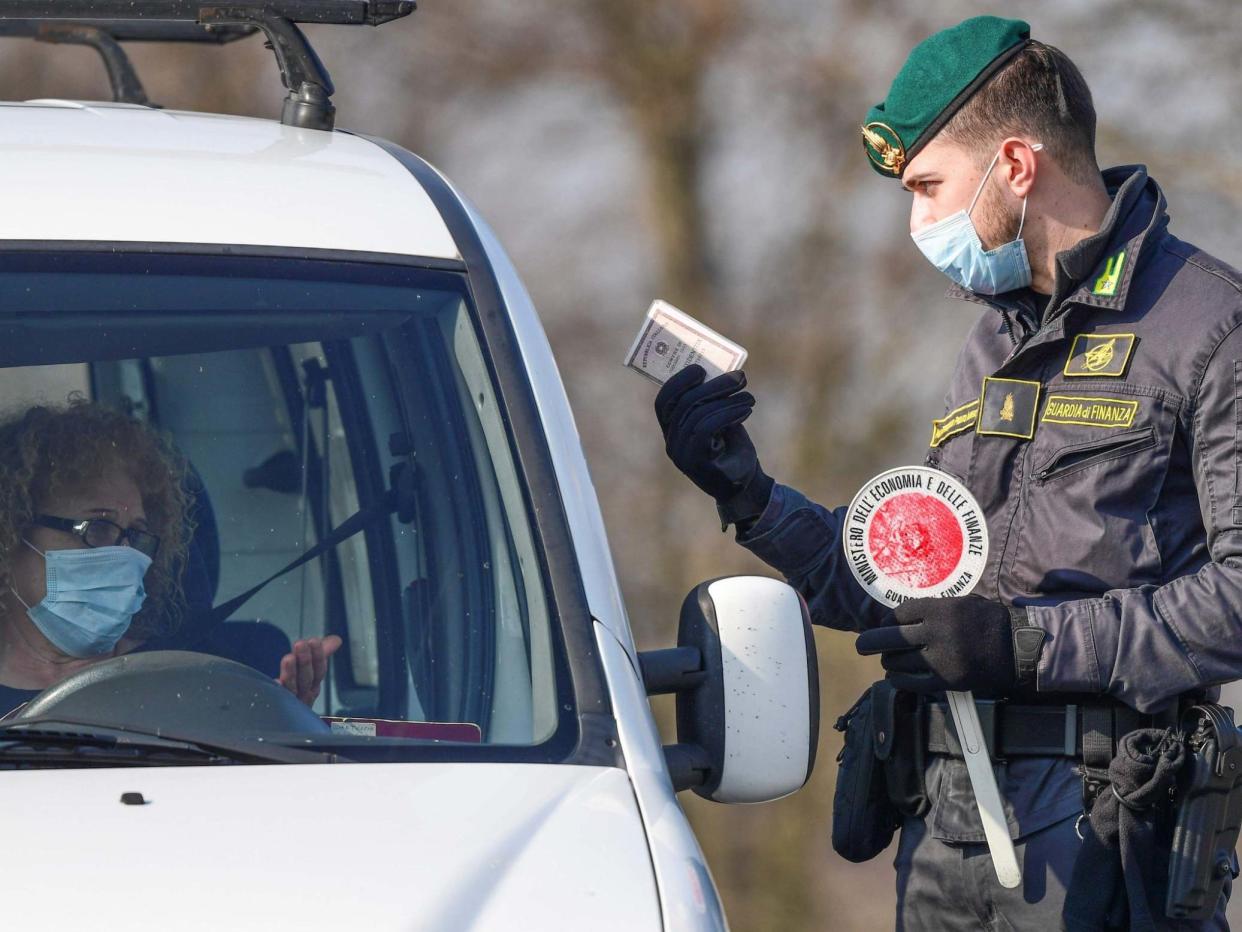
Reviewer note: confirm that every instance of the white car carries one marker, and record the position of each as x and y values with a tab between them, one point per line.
338	344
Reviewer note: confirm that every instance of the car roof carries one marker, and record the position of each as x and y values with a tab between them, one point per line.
107	172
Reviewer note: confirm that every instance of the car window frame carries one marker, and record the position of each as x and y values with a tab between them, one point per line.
590	736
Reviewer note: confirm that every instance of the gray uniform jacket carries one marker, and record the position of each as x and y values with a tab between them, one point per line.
1101	436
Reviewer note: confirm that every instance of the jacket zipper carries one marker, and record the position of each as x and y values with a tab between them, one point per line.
1017	343
1120	447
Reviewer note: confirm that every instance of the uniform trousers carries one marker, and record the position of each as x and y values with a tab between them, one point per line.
953	888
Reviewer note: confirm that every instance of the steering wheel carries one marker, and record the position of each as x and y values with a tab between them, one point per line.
175	689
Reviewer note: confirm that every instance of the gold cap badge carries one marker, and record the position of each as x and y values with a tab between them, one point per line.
887	154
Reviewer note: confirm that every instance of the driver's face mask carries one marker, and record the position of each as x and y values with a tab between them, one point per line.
953	246
92	595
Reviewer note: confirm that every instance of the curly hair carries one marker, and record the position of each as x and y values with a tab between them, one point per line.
45	449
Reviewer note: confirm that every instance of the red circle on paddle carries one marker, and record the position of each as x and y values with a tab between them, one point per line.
915	538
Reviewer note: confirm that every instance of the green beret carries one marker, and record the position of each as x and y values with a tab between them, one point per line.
940	75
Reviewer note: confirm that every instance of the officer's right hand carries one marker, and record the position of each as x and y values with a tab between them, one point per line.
703	432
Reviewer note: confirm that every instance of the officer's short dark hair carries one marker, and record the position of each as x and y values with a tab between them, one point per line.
1040	94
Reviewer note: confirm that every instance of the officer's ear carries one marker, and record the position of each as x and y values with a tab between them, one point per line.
1019	164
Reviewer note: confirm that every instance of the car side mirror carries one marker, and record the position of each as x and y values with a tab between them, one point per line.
747	687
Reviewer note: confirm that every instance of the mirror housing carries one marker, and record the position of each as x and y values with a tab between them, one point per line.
747	686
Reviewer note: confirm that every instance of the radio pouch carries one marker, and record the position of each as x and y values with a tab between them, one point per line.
880	772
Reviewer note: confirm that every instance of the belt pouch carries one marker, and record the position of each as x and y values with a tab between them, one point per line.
863	817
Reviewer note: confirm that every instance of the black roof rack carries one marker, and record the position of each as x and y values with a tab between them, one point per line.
104	37
103	24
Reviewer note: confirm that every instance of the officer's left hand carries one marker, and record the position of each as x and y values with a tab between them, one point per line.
938	644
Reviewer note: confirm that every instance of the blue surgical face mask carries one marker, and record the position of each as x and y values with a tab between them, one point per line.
92	595
953	246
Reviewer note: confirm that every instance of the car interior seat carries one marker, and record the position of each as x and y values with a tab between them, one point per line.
258	644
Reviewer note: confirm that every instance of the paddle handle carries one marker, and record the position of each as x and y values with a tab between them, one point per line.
983	783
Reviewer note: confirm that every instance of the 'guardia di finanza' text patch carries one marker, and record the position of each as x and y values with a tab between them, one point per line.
1089	411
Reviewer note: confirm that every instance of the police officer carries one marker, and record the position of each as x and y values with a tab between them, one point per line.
1096	414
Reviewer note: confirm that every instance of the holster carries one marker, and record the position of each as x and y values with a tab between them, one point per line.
1209	812
880	771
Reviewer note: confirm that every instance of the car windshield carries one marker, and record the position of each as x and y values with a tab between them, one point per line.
299	393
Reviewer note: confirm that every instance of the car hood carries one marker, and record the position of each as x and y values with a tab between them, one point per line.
352	846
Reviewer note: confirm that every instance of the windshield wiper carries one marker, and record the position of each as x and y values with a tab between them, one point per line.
48	740
54	748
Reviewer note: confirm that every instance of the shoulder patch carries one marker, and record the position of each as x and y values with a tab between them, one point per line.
1090	411
1007	408
1100	355
1106	284
958	420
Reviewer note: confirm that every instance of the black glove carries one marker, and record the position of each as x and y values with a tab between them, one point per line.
705	439
955	643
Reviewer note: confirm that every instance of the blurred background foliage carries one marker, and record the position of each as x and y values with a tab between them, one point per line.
707	152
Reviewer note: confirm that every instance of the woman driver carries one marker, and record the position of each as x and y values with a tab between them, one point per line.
92	533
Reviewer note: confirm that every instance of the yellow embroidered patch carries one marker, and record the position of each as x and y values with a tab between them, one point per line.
955	422
1089	411
1099	355
1007	408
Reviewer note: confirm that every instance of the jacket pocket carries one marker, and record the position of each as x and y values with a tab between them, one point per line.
1084	525
1075	456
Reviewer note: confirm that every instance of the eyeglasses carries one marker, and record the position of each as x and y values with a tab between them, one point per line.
100	532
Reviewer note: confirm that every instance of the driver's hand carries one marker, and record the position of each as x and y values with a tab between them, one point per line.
303	670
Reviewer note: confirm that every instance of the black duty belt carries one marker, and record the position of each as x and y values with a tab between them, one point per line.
1043	730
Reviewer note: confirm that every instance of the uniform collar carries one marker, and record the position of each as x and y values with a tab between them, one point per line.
1103	265
1097	271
